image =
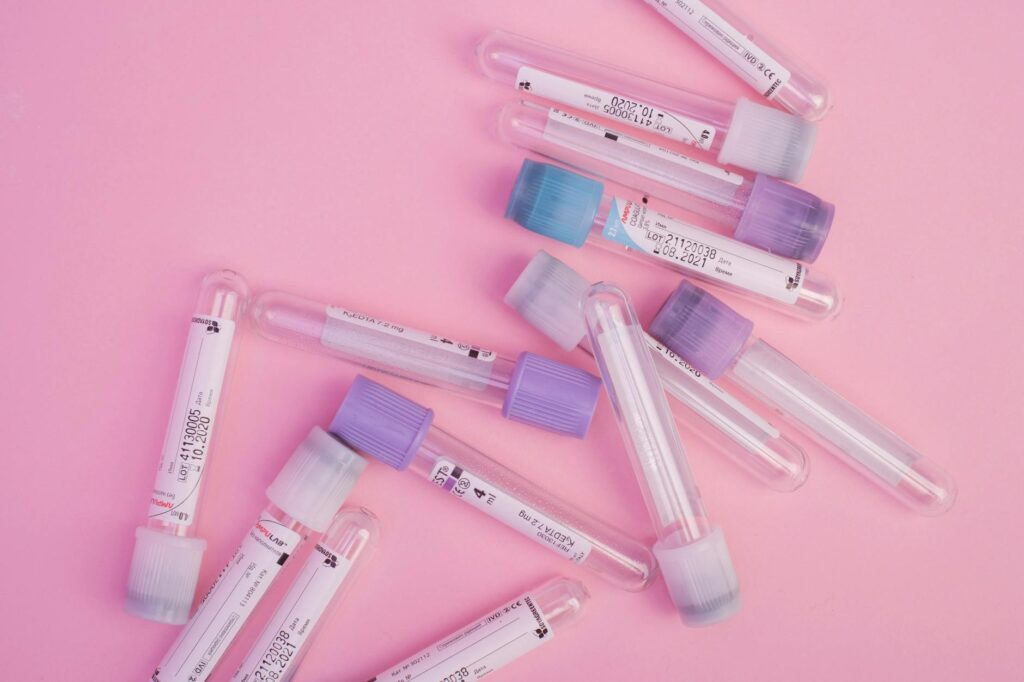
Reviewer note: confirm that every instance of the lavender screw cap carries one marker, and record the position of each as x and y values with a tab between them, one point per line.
701	329
551	395
379	422
785	220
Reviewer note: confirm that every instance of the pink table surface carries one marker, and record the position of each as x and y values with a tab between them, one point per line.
347	151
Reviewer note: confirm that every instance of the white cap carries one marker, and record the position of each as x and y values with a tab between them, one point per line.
700	578
162	579
549	295
768	141
316	480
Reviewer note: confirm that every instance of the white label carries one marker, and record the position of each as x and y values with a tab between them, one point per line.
275	653
726	42
518	516
557	117
228	604
711	255
187	443
619	107
411	335
479	649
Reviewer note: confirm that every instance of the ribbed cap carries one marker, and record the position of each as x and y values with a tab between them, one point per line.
554	202
551	395
163	576
768	141
702	330
548	294
785	220
317	478
381	423
700	578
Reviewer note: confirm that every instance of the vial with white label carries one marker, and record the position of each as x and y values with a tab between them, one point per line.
718	341
304	497
752	136
278	652
549	295
400	433
566	206
691	551
566	396
748	54
497	638
764	212
167	556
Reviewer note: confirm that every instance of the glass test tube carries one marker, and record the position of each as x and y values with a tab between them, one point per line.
566	206
167	556
719	341
400	433
570	395
691	551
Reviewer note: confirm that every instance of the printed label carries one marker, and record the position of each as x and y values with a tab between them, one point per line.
710	255
275	653
190	429
727	42
518	516
411	335
618	107
557	117
479	649
228	604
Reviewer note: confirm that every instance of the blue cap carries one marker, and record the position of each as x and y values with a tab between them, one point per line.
554	202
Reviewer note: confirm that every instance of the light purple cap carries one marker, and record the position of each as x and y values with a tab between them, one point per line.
551	395
785	220
380	423
701	329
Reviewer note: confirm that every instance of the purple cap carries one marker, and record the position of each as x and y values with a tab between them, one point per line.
551	395
380	423
701	329
785	220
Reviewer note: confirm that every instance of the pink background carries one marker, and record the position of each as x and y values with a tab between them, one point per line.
346	151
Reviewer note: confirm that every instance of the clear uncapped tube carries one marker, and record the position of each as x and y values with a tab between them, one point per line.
558	203
497	638
718	340
400	433
548	294
690	550
328	571
748	54
433	359
764	212
304	497
167	557
753	136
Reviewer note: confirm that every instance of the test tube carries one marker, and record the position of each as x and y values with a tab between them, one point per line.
278	652
566	206
496	639
718	341
400	433
167	556
763	212
549	295
567	396
748	54
304	497
744	134
691	551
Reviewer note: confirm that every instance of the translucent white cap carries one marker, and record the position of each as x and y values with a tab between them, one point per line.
768	141
163	576
700	577
316	480
548	294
